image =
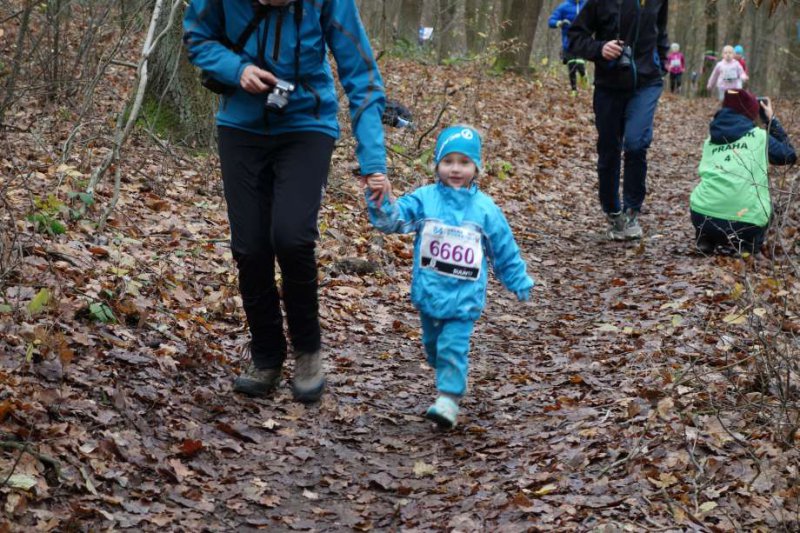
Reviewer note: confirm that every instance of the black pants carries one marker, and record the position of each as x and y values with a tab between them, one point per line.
740	236
575	66
273	188
675	82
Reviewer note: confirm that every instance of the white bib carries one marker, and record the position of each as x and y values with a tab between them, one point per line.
675	63
451	250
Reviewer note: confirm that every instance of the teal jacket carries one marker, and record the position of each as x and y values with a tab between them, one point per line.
278	45
445	290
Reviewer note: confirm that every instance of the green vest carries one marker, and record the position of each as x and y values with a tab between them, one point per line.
733	180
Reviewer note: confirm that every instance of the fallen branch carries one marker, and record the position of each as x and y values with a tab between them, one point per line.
24	447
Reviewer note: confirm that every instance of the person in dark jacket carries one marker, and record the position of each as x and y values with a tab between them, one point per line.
627	40
562	17
277	128
731	206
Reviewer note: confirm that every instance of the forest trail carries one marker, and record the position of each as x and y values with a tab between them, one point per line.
582	410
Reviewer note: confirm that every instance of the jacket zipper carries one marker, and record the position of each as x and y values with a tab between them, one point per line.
277	48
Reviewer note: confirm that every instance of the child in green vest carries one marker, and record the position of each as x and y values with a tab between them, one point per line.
731	206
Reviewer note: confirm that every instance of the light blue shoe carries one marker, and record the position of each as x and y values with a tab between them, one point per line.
444	412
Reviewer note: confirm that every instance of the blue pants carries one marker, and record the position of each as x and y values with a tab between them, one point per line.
447	347
624	121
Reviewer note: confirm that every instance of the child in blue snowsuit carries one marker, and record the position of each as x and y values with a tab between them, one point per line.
457	229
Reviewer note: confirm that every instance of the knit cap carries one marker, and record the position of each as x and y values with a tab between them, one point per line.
459	139
743	102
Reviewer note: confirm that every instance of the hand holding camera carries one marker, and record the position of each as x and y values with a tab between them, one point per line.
612	49
256	80
765	109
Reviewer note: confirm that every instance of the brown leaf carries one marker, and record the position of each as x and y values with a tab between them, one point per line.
189	448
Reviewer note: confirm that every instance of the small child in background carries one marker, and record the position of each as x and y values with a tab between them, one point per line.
728	74
738	55
676	64
457	228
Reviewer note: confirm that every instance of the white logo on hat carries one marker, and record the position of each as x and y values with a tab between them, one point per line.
466	134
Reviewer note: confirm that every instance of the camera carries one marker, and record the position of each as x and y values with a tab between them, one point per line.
278	96
626	58
761	113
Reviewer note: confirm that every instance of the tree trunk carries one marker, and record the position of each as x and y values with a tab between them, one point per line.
790	74
760	51
449	44
733	34
410	17
476	17
176	104
710	54
517	33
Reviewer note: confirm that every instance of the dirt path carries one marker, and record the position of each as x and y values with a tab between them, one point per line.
557	431
583	410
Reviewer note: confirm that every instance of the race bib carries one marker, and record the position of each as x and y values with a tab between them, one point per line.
730	74
675	63
451	250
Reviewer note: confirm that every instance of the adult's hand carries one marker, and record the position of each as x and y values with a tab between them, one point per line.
256	80
612	50
766	105
380	186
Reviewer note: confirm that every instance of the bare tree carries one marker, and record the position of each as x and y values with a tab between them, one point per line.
450	34
519	29
476	18
410	16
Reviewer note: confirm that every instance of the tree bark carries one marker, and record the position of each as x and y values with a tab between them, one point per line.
450	36
710	54
517	33
790	74
410	17
174	92
476	17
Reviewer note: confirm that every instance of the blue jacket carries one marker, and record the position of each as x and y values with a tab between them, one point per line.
566	10
728	126
313	105
442	296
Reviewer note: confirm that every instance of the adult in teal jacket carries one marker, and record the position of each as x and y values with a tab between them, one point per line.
275	159
562	17
731	207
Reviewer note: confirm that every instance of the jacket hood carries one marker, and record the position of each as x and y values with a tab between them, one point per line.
728	126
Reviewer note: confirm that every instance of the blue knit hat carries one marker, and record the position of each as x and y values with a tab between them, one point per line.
738	49
459	139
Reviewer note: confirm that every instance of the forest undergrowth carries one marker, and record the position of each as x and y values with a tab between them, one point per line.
645	387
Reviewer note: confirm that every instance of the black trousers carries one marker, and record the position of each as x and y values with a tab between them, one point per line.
740	236
675	82
273	188
575	66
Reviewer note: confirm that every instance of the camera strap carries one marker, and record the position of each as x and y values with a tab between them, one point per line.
259	15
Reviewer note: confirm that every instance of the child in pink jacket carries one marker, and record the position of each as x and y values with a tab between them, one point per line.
728	74
676	64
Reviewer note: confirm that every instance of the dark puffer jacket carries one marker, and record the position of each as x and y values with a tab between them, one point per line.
641	24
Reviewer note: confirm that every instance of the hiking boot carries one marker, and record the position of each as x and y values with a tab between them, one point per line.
258	381
444	412
705	245
632	229
616	230
309	379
